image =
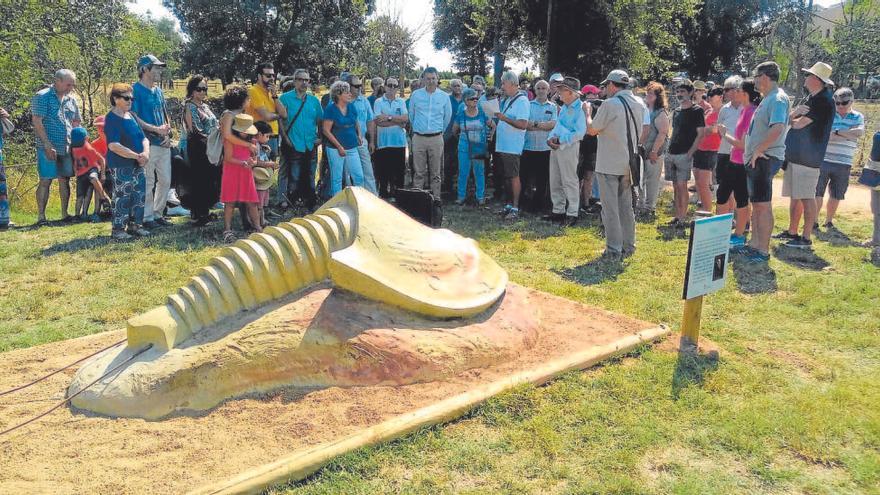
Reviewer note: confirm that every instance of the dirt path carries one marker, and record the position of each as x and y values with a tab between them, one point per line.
72	452
858	198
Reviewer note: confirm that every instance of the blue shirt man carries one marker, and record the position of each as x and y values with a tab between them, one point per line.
429	113
571	124
149	106
773	109
304	130
364	111
536	139
392	136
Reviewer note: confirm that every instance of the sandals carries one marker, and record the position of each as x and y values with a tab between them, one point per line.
229	237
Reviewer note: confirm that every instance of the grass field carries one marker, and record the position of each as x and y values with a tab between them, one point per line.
790	406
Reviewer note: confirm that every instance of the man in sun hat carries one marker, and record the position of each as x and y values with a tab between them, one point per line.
564	142
805	148
613	171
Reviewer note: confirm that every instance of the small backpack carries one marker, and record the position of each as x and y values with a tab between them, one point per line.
215	144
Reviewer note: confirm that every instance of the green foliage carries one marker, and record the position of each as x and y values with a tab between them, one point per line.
98	39
854	50
228	38
387	49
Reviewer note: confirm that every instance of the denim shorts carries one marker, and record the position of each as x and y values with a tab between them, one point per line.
49	169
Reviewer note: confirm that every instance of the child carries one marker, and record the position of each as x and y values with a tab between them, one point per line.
100	146
237	184
263	178
90	169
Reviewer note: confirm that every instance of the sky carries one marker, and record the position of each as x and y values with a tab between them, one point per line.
416	14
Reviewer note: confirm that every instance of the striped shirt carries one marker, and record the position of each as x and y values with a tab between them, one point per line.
840	149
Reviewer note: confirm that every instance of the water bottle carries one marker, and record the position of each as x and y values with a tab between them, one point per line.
875	148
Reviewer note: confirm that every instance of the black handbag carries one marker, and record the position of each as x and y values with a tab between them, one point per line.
635	161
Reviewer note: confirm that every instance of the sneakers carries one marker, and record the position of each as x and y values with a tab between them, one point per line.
120	235
737	240
178	211
162	222
512	214
611	255
755	256
800	243
139	231
785	236
568	221
553	217
504	211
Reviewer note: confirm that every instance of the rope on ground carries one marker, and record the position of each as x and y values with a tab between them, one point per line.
38	380
65	401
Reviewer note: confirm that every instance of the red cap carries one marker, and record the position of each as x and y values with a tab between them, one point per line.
590	89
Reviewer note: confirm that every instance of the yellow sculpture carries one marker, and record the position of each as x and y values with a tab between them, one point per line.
360	242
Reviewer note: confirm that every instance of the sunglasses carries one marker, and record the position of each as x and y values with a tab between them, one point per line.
201	89
357	86
391	86
842	103
126	98
472	99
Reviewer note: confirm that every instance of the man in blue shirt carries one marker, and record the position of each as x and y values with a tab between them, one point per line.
536	152
450	141
148	107
510	135
564	142
429	112
296	174
391	120
367	122
55	114
763	155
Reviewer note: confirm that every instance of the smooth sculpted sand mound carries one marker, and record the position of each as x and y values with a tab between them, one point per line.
328	337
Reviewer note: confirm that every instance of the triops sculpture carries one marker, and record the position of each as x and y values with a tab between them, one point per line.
220	335
360	242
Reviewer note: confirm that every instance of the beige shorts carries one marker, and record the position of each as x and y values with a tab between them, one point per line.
799	181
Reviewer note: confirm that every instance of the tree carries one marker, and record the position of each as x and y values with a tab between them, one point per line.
388	48
714	36
228	38
98	39
473	29
854	52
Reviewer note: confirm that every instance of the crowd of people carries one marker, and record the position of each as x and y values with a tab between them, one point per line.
543	146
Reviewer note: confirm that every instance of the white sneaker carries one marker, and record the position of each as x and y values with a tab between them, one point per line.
178	211
172	198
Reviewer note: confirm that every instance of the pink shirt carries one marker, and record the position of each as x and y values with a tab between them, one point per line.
742	127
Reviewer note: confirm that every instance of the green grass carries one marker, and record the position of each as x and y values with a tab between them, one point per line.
790	407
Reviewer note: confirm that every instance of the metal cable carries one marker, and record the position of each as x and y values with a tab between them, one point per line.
38	380
65	401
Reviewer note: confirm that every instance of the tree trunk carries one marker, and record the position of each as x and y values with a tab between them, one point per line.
551	55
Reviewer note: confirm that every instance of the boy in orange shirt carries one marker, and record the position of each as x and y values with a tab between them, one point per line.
90	169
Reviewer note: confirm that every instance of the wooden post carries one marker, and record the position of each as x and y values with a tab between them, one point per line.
690	324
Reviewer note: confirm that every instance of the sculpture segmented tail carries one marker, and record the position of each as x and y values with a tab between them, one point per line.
253	271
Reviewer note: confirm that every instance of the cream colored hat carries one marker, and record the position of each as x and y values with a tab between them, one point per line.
700	86
244	123
822	71
262	178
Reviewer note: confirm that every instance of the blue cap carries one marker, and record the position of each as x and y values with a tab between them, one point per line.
78	136
150	60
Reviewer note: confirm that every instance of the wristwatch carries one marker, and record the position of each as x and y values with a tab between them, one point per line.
390	118
837	132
